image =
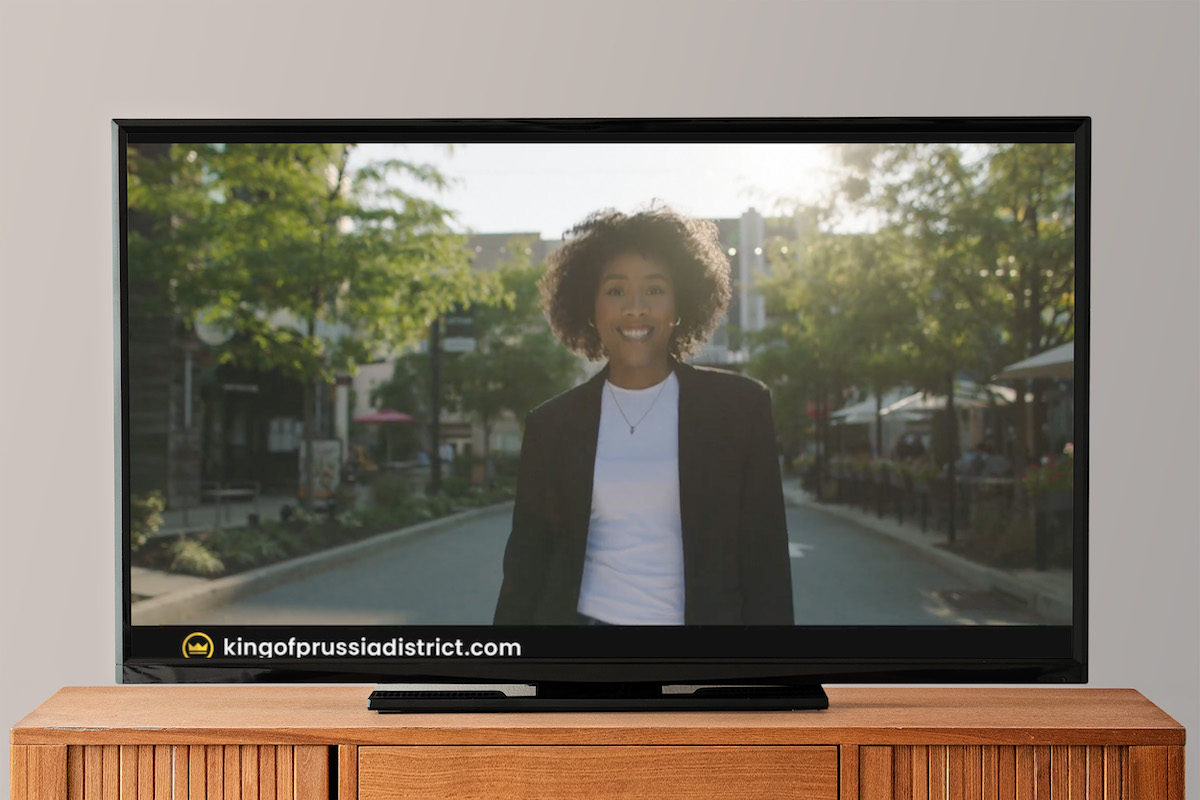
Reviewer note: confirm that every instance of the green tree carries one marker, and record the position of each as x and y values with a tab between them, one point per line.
517	362
407	390
1032	191
312	267
992	235
843	313
804	349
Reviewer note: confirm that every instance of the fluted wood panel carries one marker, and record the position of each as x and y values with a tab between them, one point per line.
164	772
311	774
38	772
347	771
232	780
18	778
168	772
248	759
266	773
999	772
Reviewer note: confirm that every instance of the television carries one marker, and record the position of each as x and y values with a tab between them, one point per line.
337	344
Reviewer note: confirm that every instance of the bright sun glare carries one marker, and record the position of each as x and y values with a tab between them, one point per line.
546	188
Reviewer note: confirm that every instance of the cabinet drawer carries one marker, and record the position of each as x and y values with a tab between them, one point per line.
658	772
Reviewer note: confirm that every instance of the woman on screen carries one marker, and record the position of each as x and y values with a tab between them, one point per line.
651	494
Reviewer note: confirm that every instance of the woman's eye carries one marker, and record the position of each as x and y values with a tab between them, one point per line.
615	291
656	290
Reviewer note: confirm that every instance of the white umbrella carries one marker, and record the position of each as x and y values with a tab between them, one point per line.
1057	362
863	413
966	395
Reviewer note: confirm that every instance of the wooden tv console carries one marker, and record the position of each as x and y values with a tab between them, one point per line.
321	743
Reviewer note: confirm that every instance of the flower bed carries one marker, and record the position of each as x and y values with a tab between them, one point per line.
229	551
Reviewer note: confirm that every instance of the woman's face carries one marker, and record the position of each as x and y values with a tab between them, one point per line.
635	316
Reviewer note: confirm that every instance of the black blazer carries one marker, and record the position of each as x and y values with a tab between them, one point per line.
736	565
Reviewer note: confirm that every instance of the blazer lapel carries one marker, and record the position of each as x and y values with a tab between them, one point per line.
692	463
580	432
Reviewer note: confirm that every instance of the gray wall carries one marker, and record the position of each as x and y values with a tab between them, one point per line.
67	67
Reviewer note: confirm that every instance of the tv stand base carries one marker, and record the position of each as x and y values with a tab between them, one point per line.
602	697
321	742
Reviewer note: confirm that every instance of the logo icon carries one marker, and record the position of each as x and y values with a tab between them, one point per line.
198	645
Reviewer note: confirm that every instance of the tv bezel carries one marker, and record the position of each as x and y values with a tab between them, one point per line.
872	654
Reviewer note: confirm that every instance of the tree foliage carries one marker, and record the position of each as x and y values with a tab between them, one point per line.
311	266
517	362
992	240
968	267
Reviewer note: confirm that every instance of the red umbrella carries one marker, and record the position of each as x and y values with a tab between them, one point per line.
386	416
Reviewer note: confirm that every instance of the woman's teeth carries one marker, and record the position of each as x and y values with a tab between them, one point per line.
637	334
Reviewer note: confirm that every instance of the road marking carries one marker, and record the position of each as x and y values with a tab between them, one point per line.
796	550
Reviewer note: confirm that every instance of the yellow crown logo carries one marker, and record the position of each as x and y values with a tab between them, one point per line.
197	645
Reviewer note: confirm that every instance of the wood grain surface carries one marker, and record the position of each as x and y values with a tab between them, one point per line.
166	772
612	773
278	715
1002	772
298	743
46	773
347	771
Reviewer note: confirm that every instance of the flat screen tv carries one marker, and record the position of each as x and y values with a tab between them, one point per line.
602	409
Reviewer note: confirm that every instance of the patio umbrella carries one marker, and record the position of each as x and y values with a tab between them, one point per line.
386	416
863	413
966	395
1057	362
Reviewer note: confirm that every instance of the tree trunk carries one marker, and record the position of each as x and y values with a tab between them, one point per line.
310	423
435	405
487	453
1033	315
951	484
879	425
1041	445
822	406
1021	430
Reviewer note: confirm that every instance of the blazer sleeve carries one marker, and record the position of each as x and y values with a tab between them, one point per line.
765	562
527	554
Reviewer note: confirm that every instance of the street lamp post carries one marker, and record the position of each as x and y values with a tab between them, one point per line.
435	405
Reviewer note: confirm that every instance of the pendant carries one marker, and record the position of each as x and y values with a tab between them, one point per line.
631	430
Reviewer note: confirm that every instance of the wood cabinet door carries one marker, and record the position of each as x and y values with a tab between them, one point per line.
169	772
598	772
1017	772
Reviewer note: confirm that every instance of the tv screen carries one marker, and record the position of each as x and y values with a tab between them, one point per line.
776	401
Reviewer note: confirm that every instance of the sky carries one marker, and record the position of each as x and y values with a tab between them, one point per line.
547	188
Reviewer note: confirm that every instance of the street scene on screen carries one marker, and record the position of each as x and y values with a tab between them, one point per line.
333	350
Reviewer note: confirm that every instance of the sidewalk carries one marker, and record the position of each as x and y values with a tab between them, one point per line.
168	599
212	516
1047	592
148	583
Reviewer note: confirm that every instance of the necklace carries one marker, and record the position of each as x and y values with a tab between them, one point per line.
633	425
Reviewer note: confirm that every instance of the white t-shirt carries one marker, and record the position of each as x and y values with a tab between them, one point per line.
633	571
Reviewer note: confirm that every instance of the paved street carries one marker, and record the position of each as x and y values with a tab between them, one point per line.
842	574
447	578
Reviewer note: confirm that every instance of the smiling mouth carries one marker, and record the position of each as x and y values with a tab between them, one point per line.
636	334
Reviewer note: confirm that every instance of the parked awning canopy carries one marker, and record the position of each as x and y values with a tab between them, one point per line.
385	416
1057	362
863	412
966	395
